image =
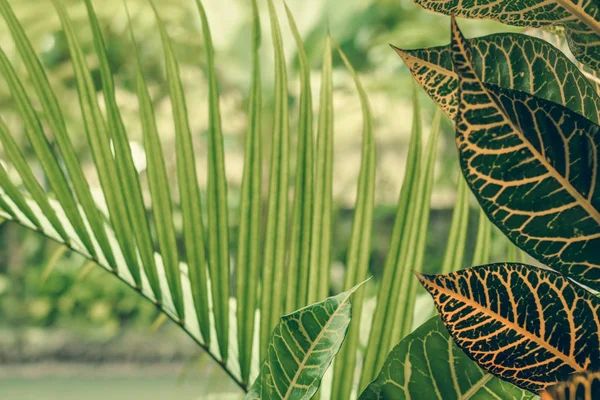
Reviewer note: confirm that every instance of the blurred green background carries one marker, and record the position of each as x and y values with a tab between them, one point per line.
69	330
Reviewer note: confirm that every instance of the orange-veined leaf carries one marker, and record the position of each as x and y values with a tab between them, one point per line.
533	166
579	387
579	18
528	326
512	61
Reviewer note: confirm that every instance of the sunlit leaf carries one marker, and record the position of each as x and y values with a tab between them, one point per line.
357	263
132	193
395	278
528	326
98	137
404	326
55	120
121	271
217	205
43	150
322	210
300	291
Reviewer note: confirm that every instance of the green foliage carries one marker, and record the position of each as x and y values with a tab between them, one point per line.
528	152
247	272
580	19
428	365
526	123
509	60
301	348
529	326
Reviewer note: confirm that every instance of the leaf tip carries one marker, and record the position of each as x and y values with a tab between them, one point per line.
423	278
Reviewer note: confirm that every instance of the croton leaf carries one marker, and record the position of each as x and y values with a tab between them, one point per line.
579	387
528	326
580	18
301	348
427	365
512	61
533	166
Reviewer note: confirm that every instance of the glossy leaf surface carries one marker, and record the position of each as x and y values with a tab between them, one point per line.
526	325
512	61
580	18
533	166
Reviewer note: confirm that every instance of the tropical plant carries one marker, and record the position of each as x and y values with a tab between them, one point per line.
187	273
526	122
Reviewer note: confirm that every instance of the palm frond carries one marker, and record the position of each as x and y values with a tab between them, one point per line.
284	268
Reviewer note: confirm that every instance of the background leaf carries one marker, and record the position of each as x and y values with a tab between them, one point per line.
274	252
428	365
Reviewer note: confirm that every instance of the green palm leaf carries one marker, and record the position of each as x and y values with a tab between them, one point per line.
360	243
428	365
528	326
98	136
191	284
299	295
546	196
275	232
509	60
580	18
132	192
394	280
218	225
56	122
247	272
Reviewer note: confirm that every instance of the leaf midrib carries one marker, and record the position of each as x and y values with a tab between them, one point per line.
583	202
543	343
312	347
581	15
579	198
475	387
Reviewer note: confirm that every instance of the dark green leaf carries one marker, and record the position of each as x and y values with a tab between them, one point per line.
528	326
580	18
509	60
533	166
